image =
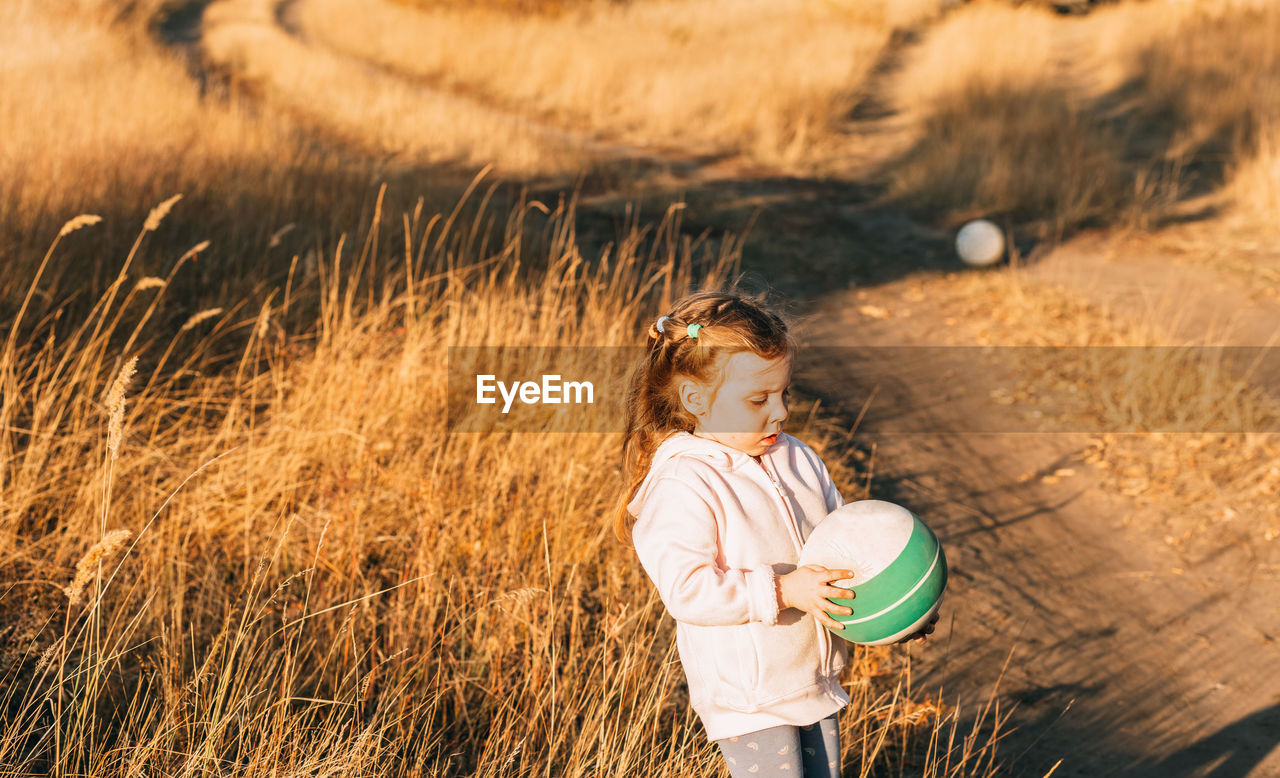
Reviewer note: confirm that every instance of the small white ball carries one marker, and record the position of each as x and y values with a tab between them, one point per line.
980	243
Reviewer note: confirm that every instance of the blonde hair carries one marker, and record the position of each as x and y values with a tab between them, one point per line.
731	323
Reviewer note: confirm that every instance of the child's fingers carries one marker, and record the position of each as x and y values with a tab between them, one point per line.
836	575
924	633
825	609
831	607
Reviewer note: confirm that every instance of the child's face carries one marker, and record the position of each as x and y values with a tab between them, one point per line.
748	409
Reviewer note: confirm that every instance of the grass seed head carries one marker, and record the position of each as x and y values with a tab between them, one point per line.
115	406
208	313
86	568
83	220
46	658
159	212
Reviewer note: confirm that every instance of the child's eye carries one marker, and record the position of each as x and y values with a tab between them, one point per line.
786	394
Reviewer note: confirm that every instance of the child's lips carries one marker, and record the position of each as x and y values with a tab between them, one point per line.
770	439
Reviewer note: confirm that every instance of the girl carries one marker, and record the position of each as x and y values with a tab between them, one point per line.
723	500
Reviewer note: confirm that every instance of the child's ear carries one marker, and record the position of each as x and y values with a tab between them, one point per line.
693	397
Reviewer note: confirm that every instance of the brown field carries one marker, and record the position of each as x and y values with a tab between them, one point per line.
240	236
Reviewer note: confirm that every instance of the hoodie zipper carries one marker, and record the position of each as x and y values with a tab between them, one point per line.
795	530
795	533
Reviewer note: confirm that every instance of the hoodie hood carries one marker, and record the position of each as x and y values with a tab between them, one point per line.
686	444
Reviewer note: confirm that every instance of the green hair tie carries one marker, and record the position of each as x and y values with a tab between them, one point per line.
692	329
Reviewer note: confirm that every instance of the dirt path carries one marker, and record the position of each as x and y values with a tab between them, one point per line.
1129	657
1185	295
290	16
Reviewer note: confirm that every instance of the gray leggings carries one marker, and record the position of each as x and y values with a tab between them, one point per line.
812	751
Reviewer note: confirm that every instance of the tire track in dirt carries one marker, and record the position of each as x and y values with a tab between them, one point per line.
184	31
180	29
669	166
288	15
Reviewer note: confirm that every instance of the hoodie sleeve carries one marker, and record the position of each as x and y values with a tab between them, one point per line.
829	491
834	499
675	538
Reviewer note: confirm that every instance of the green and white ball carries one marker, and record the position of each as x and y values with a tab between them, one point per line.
900	570
980	243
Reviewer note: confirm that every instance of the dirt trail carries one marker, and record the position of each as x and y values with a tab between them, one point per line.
290	17
1129	658
1186	296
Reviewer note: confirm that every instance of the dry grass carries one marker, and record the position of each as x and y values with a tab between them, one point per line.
1254	182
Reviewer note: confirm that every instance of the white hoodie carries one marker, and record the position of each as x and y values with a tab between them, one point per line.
714	528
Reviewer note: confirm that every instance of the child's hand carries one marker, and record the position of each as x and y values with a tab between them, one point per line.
928	630
806	588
